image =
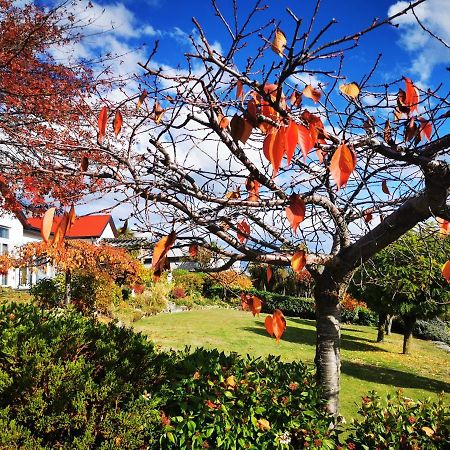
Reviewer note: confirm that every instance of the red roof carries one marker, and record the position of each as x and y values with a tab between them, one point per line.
83	227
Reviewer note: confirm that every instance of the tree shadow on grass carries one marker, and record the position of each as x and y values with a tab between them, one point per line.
306	336
398	378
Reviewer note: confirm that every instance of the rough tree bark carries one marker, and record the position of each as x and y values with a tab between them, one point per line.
409	320
382	322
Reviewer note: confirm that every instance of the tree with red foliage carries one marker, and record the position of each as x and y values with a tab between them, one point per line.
46	121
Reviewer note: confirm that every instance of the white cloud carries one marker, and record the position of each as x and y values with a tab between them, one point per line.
427	52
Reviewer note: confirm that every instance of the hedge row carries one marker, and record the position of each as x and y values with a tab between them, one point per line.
294	306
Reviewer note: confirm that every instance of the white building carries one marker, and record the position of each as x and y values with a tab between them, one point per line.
17	230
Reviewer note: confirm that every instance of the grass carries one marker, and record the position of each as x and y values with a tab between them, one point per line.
366	365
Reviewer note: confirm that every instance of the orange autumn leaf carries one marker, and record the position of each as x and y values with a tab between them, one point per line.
71	218
224	122
298	261
61	230
411	130
47	223
102	119
256	305
350	90
291	140
243	231
268	322
412	95
263	424
296	99
233	194
343	163
161	249
295	211
245	301
444	226
278	149
312	93
384	187
158	112
117	123
269	274
446	271
278	324
426	129
279	42
239	90
252	187
305	140
141	99
193	250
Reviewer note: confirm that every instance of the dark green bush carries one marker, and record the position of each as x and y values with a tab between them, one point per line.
48	292
229	402
400	424
434	329
65	379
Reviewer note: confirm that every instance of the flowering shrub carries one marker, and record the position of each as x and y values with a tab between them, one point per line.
178	292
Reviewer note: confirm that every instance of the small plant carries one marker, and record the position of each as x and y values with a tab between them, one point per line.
154	299
178	292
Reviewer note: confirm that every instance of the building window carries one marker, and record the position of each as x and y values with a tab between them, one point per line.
4	232
3	279
4	249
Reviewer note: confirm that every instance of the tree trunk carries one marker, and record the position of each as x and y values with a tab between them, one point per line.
382	320
327	360
388	326
409	321
68	280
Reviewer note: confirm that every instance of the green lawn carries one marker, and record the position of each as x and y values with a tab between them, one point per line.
366	365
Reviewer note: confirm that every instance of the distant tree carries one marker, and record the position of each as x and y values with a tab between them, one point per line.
405	279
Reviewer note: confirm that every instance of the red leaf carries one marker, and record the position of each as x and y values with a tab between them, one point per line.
426	129
84	164
278	324
160	251
269	325
296	99
384	187
446	271
412	95
244	231
269	274
256	305
240	129
117	123
47	223
252	187
342	164
245	301
444	226
295	211
193	250
278	150
291	140
305	140
298	261
102	119
367	216
239	91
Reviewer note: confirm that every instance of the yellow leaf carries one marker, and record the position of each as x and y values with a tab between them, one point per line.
351	90
428	431
47	223
231	381
263	424
279	42
298	261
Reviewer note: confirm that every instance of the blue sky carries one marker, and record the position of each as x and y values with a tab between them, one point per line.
406	50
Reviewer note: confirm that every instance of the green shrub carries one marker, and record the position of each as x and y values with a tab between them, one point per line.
68	381
227	401
48	292
154	299
400	424
191	282
434	329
